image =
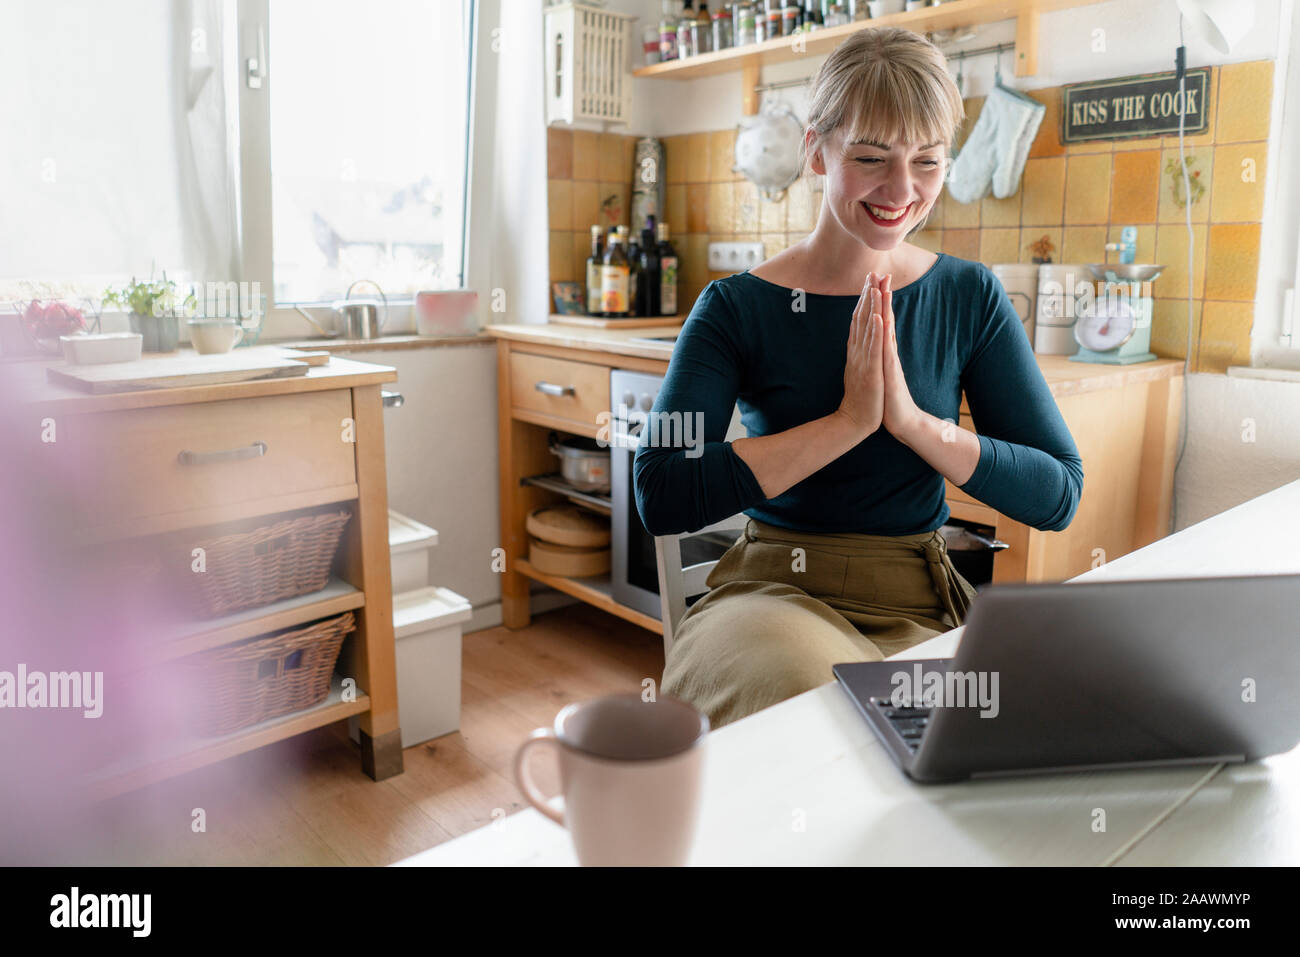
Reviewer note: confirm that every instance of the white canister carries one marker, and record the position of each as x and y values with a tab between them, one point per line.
1059	287
1020	280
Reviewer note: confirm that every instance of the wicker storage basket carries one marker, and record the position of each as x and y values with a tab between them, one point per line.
240	685
250	569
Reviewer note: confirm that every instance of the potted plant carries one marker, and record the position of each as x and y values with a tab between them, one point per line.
153	309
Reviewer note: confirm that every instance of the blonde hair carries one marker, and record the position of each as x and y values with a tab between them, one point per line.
886	85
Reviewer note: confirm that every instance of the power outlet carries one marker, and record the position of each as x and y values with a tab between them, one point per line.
734	257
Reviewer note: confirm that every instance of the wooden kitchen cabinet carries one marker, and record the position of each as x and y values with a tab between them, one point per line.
323	440
1124	419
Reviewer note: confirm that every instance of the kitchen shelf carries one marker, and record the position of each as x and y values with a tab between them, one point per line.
192	637
594	590
947	16
554	483
193	752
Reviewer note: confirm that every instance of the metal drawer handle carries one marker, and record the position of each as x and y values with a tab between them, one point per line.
551	388
392	400
990	543
254	451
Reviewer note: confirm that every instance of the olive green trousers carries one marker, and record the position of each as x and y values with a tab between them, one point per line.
784	606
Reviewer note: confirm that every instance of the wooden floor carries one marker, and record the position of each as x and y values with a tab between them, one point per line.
305	800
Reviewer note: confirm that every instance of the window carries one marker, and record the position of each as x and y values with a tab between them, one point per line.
368	126
297	144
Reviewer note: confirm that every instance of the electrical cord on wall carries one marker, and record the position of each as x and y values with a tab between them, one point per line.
1180	65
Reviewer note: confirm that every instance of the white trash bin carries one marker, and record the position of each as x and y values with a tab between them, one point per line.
427	625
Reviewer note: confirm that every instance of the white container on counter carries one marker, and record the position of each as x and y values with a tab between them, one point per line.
1059	288
1020	280
100	348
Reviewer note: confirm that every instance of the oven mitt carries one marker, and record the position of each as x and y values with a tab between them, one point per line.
995	151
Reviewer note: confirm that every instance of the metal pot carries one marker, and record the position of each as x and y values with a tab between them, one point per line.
584	463
971	551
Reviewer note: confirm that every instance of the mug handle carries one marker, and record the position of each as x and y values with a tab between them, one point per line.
525	781
239	329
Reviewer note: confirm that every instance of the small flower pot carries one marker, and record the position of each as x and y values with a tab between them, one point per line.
161	333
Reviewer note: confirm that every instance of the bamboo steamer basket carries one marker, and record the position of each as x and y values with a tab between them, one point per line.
568	525
567	561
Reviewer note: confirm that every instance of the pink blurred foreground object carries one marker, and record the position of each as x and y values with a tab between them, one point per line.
449	312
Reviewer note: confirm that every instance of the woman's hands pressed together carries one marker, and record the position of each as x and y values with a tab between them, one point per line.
875	389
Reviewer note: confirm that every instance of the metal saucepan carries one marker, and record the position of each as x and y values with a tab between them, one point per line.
584	463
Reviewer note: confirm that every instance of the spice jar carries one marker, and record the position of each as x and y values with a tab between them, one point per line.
746	25
722	39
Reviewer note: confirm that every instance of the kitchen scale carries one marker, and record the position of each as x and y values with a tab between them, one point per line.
1117	330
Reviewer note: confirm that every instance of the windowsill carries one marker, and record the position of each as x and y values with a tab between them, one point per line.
382	344
1264	372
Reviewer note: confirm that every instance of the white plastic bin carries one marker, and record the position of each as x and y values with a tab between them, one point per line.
408	544
427	624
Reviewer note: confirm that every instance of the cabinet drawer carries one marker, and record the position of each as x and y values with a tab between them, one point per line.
149	462
575	391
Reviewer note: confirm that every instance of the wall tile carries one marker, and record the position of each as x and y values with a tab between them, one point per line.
1237	193
675	199
929	239
802	206
1083	244
559	203
1169	327
1134	187
772	216
613	201
999	245
721	217
1088	146
629	155
959	215
697	208
1043	185
722	154
586	155
559	153
1245	95
1001	212
1200	171
1171	252
1232	261
675	158
1139	143
581	250
1225	335
586	205
974	106
772	244
1087	189
561	252
747	201
694	254
697	157
611	167
962	243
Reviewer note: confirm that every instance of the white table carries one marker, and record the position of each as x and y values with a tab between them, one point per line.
806	782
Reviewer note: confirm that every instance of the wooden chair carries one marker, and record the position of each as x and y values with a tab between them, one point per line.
676	583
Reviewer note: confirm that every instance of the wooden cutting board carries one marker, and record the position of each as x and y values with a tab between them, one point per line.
185	368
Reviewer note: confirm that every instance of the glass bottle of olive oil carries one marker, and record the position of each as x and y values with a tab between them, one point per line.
614	279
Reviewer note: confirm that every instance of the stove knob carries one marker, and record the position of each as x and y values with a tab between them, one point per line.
647	402
629	400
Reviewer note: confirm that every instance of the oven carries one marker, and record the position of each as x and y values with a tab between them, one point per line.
633	569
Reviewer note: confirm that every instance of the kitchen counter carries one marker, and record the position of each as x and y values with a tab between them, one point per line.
1063	376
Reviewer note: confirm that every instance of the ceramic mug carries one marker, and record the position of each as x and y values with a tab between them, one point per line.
209	336
630	773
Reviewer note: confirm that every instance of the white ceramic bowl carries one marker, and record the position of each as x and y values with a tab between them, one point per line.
103	347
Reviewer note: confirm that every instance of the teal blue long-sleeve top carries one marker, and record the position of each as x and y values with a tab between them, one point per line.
779	354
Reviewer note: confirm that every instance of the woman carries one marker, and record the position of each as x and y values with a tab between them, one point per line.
848	354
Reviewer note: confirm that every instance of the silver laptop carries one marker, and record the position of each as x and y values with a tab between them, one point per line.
1066	677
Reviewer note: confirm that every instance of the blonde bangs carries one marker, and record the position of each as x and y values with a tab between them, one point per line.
886	85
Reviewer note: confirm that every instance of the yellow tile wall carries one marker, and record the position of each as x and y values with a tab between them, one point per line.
1077	195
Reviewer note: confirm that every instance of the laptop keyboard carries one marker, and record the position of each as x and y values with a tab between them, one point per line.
908	723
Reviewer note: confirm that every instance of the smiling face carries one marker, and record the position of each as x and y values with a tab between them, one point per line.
879	192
